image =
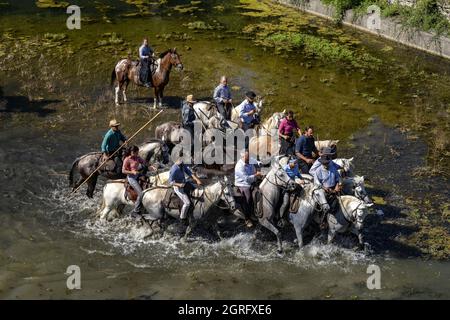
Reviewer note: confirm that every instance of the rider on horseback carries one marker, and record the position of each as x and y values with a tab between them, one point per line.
146	54
245	176
133	167
111	142
178	180
188	114
293	172
222	96
327	176
248	114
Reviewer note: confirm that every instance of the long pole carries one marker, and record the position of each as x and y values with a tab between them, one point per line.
115	152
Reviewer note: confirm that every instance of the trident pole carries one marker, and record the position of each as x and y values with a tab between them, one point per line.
115	152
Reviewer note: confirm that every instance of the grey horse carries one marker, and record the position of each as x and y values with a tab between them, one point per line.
152	151
271	189
312	197
350	217
205	199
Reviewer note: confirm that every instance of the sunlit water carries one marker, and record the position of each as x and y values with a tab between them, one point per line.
44	229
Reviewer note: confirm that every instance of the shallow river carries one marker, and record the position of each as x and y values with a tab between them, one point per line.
55	109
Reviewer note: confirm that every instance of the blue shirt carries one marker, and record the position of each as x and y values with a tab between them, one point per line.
246	107
305	146
145	51
188	114
176	173
111	141
327	178
317	164
292	173
244	174
221	92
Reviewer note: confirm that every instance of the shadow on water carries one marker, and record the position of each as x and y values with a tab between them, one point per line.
22	104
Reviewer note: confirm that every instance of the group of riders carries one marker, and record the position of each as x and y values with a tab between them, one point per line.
297	144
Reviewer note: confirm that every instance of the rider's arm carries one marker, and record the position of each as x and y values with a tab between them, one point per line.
126	167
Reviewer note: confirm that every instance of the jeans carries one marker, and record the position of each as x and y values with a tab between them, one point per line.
138	204
248	201
186	202
143	74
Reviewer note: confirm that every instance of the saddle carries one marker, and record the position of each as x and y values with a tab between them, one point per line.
171	200
294	199
130	193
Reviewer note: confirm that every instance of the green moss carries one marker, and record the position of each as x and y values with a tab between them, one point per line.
319	47
51	4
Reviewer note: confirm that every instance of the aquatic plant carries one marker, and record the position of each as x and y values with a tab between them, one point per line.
51	4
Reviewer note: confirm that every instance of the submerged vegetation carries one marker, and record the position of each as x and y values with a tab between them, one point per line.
289	30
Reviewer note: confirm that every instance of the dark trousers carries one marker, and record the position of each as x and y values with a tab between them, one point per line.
247	202
225	110
286	147
303	166
144	71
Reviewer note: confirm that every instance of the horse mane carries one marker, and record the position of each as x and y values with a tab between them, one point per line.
163	54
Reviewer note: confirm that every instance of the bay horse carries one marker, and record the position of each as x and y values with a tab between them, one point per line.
127	70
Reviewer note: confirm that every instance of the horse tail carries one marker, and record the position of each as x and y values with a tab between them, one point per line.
72	171
113	77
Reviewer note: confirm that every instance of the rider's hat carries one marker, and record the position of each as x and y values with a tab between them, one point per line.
190	98
250	94
114	123
328	151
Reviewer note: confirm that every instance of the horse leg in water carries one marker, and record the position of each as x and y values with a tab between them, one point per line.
161	95
266	223
124	90
116	91
91	185
155	100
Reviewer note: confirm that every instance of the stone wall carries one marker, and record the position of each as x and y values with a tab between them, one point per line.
389	27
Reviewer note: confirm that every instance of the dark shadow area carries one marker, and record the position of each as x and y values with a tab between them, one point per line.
21	104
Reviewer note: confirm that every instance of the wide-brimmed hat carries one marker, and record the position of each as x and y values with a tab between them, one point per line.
190	98
324	159
328	151
250	94
114	123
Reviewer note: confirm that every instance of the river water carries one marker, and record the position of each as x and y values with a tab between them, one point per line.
56	104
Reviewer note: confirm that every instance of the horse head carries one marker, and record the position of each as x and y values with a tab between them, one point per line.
360	213
359	189
318	196
227	193
175	59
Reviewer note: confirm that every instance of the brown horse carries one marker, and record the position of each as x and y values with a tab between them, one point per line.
127	70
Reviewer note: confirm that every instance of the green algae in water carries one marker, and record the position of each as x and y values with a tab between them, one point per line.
319	47
112	38
260	9
51	4
201	25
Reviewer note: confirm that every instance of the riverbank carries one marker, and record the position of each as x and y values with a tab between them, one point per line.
389	27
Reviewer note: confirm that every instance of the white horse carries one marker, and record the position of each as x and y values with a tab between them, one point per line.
205	201
320	144
350	217
207	113
313	197
235	113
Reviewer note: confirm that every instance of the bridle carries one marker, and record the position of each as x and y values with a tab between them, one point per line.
222	193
